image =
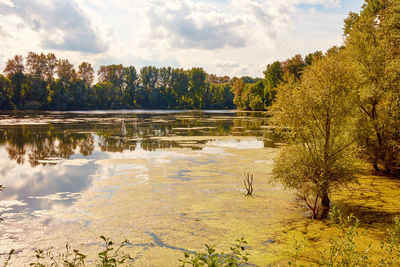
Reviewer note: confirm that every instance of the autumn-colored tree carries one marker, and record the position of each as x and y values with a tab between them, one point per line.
50	67
65	71
14	66
293	66
317	111
373	49
86	73
36	64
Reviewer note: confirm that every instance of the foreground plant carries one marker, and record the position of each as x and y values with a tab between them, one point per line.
212	258
111	256
8	258
343	250
391	249
298	246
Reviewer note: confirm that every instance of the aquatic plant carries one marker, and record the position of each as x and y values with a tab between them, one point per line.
111	256
343	249
391	249
298	246
248	183
7	260
237	257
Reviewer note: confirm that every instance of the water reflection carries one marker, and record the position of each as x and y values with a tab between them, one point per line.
49	159
40	188
44	139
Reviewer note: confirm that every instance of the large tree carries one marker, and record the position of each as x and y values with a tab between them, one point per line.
14	66
373	48
198	87
273	75
86	73
37	64
131	81
14	70
316	113
180	83
149	78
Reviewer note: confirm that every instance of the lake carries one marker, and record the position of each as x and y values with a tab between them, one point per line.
150	176
168	181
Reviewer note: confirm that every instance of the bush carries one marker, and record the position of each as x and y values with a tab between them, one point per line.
111	256
343	249
212	258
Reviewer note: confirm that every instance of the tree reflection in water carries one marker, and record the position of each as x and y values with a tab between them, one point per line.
48	142
54	159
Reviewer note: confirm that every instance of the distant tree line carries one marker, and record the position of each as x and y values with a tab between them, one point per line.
45	82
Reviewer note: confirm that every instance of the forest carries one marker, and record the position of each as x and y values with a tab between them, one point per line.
33	86
43	82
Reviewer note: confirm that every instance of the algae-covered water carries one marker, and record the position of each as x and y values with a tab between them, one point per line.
168	181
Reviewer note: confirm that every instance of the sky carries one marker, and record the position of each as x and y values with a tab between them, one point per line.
225	37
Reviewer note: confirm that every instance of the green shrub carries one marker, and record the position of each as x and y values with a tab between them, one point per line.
212	258
343	250
111	256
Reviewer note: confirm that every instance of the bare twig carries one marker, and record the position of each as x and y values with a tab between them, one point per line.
248	183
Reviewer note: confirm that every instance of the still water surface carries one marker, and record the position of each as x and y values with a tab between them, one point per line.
168	181
76	172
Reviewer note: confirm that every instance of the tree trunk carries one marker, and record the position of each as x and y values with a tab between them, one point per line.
388	170
325	202
376	167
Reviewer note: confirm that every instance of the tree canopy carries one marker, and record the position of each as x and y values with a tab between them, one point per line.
318	112
344	101
45	82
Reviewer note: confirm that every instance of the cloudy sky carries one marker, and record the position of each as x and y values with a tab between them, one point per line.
232	37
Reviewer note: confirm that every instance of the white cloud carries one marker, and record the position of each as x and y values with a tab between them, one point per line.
10	203
324	3
227	64
60	24
189	24
230	37
3	33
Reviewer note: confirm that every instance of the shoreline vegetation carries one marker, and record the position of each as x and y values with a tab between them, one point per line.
333	109
44	82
